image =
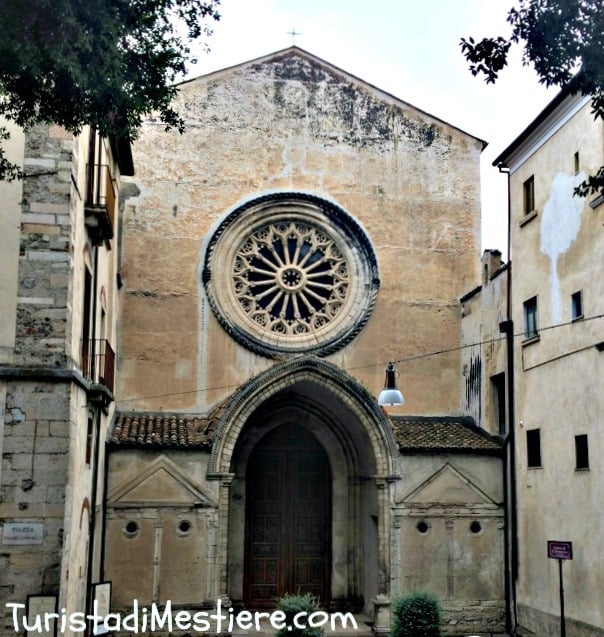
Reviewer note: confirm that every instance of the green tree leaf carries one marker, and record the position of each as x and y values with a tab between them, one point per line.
564	41
103	63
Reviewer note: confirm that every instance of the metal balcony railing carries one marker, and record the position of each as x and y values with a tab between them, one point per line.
100	202
98	362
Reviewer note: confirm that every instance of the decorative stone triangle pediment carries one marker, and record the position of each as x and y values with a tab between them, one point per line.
161	483
448	486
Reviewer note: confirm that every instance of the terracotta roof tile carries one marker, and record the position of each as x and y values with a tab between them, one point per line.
439	434
184	431
144	430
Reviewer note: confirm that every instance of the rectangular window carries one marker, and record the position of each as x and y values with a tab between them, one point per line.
529	195
498	392
577	167
89	434
576	302
531	319
533	448
581	452
86	322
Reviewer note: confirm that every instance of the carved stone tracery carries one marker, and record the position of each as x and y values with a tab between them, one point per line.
290	273
290	278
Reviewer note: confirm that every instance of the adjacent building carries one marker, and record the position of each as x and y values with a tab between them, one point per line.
58	313
557	309
484	380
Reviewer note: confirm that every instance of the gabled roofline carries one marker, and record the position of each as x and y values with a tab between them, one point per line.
468	295
503	159
337	70
474	291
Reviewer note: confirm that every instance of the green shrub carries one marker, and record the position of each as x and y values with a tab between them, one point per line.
291	605
416	615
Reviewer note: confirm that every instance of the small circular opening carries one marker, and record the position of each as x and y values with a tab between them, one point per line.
422	527
184	527
131	528
475	527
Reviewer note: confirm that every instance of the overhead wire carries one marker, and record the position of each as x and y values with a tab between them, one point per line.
379	364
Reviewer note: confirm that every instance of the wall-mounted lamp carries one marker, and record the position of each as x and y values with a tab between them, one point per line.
391	394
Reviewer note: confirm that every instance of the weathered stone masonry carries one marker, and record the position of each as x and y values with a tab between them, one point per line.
41	398
34	460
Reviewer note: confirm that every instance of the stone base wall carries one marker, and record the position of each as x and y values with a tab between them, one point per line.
473	617
34	474
543	624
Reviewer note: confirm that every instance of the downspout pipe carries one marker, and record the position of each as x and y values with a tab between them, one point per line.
93	497
509	468
96	445
104	515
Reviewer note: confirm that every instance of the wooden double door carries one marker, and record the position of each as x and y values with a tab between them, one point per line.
288	518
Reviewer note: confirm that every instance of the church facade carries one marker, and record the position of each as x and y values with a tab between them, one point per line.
307	229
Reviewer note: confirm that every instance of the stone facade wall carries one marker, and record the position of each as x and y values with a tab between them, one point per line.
34	475
460	563
45	258
161	532
290	124
46	480
549	623
38	416
10	213
150	564
473	617
448	538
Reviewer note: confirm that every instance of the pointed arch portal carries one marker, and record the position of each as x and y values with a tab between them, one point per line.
306	459
288	517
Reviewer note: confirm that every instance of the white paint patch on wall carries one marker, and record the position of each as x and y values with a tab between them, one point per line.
560	225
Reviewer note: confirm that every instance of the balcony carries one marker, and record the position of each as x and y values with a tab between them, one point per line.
98	367
99	209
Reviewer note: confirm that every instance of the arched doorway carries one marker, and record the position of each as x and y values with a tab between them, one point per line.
359	444
288	517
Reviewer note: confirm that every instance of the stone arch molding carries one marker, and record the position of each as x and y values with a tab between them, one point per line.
286	376
290	273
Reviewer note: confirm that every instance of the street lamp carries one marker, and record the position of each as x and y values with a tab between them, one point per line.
390	395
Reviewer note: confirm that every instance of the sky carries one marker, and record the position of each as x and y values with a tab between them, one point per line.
410	49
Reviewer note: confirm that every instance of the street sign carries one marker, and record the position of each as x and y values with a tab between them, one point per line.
560	550
23	533
557	550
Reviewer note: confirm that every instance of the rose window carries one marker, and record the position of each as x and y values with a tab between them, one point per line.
290	278
290	273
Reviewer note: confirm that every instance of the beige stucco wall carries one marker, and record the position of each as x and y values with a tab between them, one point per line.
157	491
483	353
10	214
448	536
410	180
559	378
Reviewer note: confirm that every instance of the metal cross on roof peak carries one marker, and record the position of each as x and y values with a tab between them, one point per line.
293	33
